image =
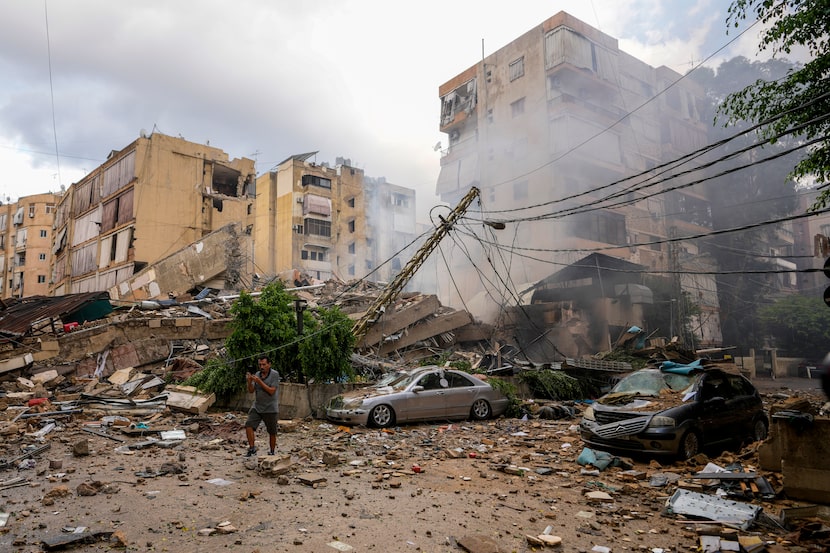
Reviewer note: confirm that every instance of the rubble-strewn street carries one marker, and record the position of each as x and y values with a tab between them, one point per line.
174	481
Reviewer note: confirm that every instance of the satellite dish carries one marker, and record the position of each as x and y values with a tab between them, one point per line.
143	133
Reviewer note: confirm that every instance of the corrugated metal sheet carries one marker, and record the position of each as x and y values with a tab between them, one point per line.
19	316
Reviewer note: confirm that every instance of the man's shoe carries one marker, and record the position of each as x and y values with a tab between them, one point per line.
271	452
251	452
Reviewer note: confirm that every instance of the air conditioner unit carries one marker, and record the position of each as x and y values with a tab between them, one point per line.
454	134
296	228
300	199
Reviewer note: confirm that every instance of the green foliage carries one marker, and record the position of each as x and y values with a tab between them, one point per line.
268	325
508	390
798	324
801	98
325	352
550	384
218	376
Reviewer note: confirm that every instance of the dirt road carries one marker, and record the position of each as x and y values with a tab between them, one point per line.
476	487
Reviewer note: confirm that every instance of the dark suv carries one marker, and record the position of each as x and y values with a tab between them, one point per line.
676	410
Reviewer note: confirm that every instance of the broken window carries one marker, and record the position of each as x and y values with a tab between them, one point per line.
119	174
225	180
314	180
31	210
462	99
84	259
85	195
516	68
117	211
318	227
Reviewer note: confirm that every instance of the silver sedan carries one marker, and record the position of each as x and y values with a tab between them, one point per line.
425	393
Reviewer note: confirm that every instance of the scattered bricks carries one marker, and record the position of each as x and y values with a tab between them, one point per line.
598	497
274	466
55	464
80	448
331	459
454	453
479	544
631	475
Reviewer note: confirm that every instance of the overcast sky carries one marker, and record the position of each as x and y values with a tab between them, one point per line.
267	79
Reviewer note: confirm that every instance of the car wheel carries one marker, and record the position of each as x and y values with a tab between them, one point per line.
481	410
759	430
689	445
382	416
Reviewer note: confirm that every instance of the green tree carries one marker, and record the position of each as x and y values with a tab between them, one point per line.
801	98
798	324
268	324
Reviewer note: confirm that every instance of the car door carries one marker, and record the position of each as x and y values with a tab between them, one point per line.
460	395
430	402
714	413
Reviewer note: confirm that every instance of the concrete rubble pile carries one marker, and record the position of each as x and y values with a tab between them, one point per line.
538	471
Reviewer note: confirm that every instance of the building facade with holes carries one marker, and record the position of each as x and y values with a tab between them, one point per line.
565	135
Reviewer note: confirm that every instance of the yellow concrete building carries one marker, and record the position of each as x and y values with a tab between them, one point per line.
150	199
25	241
311	218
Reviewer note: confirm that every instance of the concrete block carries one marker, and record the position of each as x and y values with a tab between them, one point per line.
184	322
154	323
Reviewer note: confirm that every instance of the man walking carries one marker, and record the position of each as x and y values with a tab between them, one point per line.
265	409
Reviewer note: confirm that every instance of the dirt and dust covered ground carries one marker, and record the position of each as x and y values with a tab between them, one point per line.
441	487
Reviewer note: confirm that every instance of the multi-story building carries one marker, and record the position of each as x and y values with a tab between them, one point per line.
25	241
552	127
330	221
150	199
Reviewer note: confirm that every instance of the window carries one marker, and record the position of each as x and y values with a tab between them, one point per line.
313	255
2	241
318	227
518	107
314	180
400	200
32	210
50	208
603	226
43	233
42	257
351	270
516	68
350	202
351	247
41	279
351	226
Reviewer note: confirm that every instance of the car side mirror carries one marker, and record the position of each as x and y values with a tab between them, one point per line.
417	389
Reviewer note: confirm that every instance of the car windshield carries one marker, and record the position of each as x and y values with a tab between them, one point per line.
389	379
649	383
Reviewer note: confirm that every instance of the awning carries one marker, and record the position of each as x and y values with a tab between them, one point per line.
318	205
637	293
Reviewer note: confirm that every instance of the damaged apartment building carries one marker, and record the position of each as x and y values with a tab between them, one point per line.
544	127
156	197
25	240
329	222
164	216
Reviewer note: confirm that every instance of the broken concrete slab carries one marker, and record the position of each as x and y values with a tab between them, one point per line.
188	399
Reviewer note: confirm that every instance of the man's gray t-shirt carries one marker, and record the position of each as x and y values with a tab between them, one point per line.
264	403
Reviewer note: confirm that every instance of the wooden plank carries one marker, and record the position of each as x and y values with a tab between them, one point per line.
428	329
188	399
390	323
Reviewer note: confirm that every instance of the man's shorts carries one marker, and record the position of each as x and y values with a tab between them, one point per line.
255	417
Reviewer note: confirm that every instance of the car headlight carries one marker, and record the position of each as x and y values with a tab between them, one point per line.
661	420
588	414
352	403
